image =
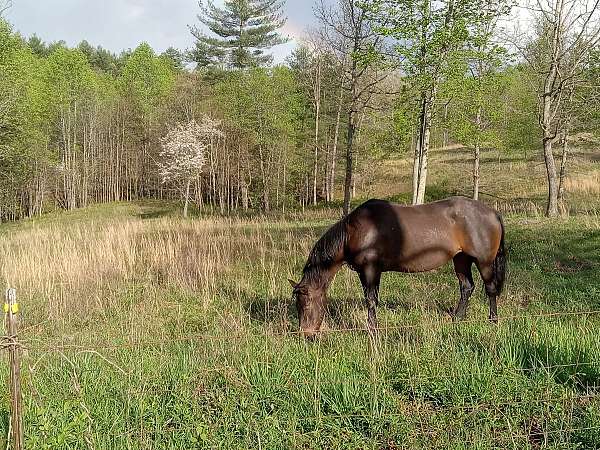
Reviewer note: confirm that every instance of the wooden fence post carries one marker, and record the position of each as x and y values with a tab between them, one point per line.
11	308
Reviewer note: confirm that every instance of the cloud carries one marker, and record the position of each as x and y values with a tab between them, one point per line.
293	30
135	12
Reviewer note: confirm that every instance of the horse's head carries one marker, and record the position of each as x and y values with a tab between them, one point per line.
310	303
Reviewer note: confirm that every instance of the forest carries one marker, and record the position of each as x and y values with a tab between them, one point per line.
371	81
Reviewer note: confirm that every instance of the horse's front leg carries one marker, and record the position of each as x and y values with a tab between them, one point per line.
370	278
462	267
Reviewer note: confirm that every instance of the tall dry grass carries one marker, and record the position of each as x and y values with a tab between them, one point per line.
87	270
584	183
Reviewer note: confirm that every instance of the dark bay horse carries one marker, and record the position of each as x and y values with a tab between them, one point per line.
380	236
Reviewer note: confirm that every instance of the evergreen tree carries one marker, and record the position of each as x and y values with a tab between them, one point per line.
99	58
175	58
37	46
243	29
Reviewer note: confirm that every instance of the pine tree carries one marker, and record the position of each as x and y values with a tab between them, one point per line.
243	29
175	58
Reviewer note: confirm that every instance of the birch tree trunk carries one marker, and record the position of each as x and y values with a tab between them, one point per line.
336	139
265	183
424	160
476	177
552	207
187	198
445	139
349	161
563	167
428	99
416	169
422	148
351	131
317	99
476	158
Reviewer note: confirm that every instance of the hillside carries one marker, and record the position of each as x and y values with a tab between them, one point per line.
512	182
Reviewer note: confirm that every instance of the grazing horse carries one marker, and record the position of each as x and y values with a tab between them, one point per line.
380	236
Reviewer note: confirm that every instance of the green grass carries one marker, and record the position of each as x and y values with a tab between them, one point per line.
151	363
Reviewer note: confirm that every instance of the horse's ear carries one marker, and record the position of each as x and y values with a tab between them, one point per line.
293	283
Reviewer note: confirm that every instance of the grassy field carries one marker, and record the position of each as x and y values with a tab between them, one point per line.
145	331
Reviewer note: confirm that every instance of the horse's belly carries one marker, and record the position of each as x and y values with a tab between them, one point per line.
423	262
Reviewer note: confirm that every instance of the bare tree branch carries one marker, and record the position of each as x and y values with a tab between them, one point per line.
5	5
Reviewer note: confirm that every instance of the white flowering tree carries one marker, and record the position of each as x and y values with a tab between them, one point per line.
184	151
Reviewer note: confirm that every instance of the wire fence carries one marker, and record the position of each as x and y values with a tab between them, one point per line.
34	344
15	344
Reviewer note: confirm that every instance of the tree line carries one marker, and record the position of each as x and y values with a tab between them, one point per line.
373	79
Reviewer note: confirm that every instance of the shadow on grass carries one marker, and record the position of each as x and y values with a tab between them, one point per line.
593	157
157	214
274	311
158	210
341	313
565	265
574	367
493	160
281	312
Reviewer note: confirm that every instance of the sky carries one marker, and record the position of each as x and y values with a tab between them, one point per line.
121	24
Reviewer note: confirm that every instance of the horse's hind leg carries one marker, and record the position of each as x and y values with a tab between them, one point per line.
487	274
370	278
462	267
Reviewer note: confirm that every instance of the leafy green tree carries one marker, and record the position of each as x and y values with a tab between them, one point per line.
317	78
53	46
146	78
145	84
243	30
12	162
474	90
430	37
476	115
520	111
37	46
71	83
23	125
262	108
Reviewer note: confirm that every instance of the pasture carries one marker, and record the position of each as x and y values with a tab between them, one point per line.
143	330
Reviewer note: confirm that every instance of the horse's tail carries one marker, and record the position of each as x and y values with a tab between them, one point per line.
499	264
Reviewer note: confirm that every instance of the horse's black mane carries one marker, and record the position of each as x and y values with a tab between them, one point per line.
325	251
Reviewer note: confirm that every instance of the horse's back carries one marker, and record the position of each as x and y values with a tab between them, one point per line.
423	237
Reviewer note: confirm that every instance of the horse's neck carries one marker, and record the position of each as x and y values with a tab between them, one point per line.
325	276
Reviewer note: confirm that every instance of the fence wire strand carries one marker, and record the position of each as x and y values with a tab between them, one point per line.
32	344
